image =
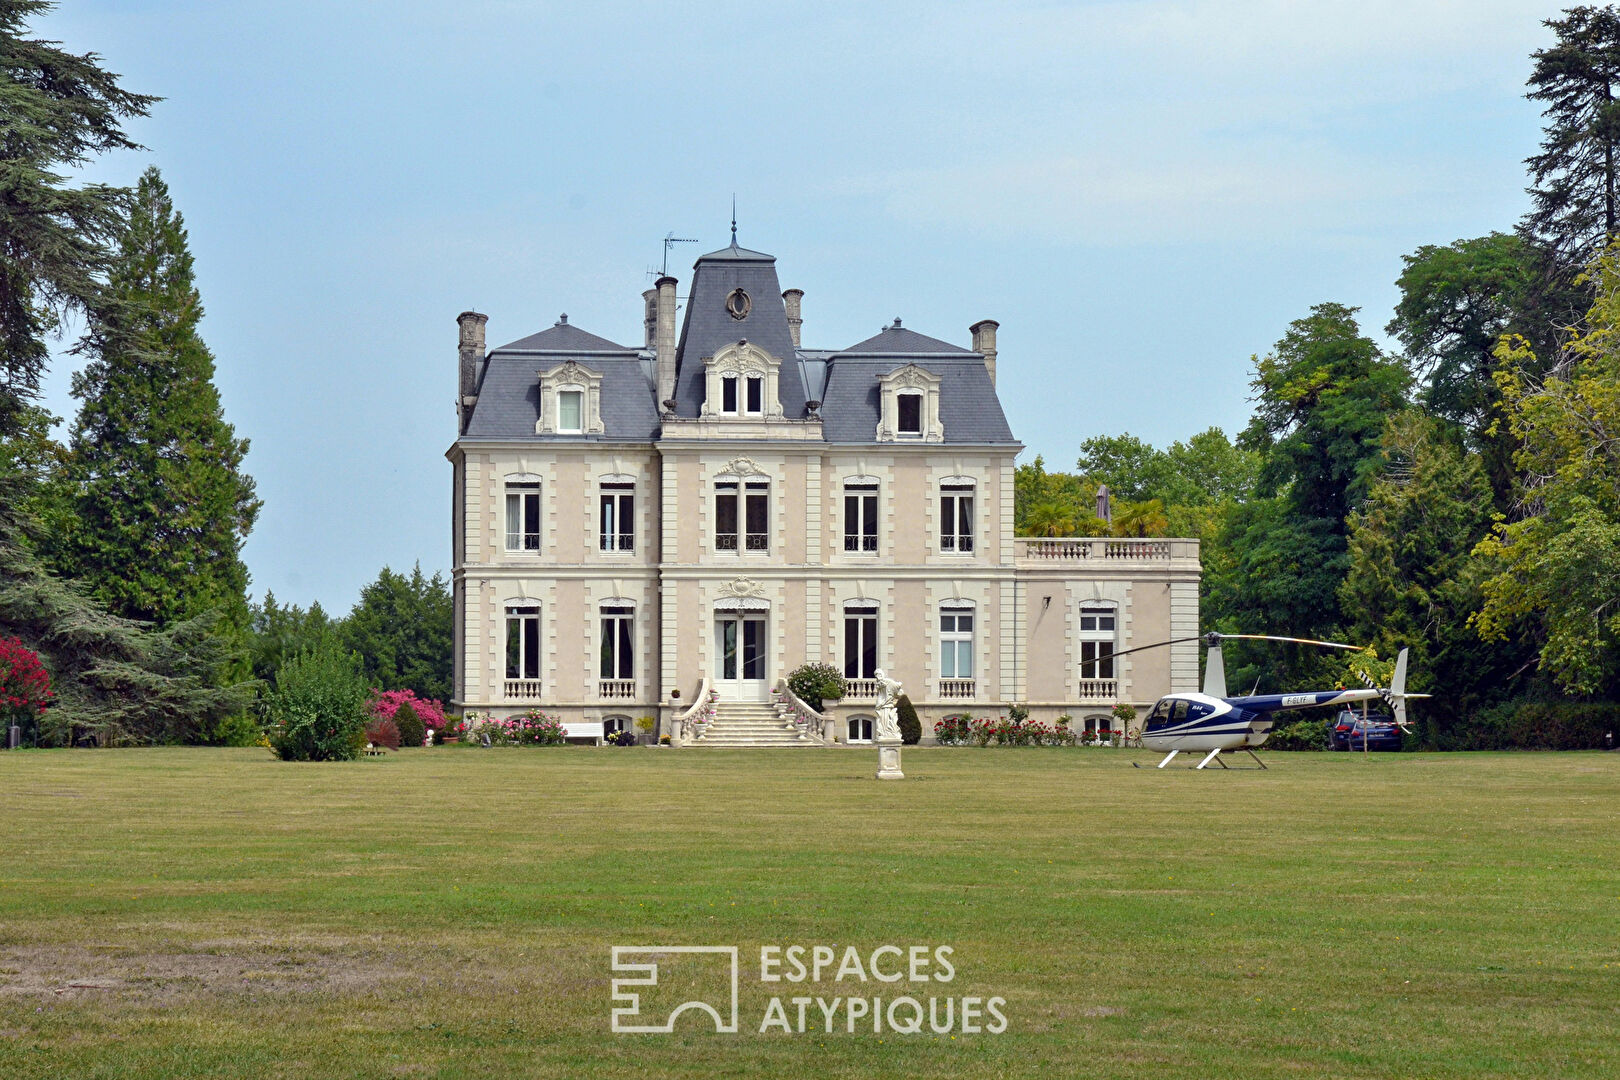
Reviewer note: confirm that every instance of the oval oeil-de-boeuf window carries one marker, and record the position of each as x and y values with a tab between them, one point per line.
739	304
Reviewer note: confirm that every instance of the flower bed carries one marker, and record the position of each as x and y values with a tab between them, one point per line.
530	728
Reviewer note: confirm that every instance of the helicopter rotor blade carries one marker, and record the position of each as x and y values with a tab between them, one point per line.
1295	640
1158	645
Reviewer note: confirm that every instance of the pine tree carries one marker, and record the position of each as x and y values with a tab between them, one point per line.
401	629
1574	176
154	475
116	682
56	111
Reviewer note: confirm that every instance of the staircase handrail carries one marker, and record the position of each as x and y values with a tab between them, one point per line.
699	706
814	723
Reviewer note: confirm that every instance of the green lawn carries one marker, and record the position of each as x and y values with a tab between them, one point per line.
449	912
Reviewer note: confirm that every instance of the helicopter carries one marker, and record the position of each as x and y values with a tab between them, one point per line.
1211	721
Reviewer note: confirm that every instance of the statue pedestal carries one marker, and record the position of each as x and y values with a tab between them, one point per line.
889	761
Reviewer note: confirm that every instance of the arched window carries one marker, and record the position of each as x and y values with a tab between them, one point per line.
613	724
860	729
616	518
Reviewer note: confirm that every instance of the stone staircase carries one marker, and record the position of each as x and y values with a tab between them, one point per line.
750	724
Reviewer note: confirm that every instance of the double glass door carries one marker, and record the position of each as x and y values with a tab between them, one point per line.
740	657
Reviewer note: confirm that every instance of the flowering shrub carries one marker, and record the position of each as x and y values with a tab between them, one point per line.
25	687
817	684
953	730
1001	730
383	704
621	738
531	728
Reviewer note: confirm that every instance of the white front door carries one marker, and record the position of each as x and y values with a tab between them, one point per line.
740	657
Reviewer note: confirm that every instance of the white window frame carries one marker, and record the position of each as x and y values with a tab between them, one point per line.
744	489
952	541
730	386
858	730
739	362
615	503
951	640
565	394
753	385
523	490
861	529
1097	613
867	615
568	377
900	429
909	378
531	639
622	643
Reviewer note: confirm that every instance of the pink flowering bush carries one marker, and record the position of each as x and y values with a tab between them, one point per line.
383	704
530	728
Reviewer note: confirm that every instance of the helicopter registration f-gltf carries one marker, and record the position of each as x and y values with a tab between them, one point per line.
1214	722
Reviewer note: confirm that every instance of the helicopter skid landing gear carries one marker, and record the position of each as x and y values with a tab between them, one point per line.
1215	756
1167	758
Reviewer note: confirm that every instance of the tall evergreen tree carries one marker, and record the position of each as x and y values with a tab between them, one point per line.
115	681
401	629
1574	176
154	472
56	111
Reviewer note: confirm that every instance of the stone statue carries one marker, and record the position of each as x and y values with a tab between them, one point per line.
888	712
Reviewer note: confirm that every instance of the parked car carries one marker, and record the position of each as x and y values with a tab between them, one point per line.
1377	732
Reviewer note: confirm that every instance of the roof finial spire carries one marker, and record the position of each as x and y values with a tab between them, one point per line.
733	219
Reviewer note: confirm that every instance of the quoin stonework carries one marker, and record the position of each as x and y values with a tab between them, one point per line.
668	529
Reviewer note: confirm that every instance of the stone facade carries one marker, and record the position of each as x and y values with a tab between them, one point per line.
664	533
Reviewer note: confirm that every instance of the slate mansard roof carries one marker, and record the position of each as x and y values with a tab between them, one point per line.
845	381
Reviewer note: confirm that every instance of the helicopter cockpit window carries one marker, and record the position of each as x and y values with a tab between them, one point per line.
1180	711
1160	711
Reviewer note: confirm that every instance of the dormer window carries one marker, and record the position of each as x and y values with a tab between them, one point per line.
740	380
570	412
910	406
570	401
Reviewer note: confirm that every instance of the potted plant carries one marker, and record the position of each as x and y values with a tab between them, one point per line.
645	725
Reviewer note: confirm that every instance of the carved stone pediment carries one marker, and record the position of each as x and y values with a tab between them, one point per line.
742	466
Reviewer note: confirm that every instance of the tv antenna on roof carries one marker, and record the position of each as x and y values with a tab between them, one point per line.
672	239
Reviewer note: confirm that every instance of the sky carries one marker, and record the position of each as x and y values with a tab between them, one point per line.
1143	194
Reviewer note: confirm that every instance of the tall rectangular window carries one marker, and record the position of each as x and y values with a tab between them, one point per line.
758	496
725	515
523	642
570	411
956	518
860	517
956	643
910	413
618	517
1097	629
728	394
860	643
756	395
618	643
523	516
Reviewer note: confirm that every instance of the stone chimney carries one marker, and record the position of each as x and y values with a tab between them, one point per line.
792	300
649	319
665	345
472	364
984	341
